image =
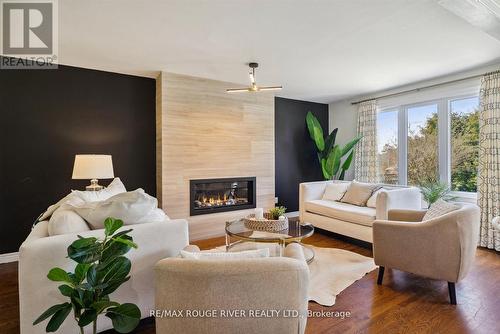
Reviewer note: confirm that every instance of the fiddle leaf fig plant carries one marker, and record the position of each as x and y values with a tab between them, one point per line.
333	159
101	269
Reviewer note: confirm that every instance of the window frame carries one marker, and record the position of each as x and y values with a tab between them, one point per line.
444	134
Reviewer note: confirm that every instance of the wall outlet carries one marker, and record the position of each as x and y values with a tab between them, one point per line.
276	200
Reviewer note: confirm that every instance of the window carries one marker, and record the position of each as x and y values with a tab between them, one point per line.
464	122
422	157
430	141
387	150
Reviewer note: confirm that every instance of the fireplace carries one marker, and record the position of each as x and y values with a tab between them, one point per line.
219	195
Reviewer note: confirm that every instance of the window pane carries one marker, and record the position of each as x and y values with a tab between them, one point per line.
423	144
464	116
387	146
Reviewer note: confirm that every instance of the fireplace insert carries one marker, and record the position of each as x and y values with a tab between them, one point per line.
219	195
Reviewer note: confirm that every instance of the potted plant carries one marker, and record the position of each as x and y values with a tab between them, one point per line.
333	159
101	269
434	190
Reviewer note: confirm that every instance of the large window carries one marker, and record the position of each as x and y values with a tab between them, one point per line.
422	157
430	141
464	121
387	150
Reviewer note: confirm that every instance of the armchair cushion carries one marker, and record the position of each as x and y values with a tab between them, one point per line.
439	208
249	254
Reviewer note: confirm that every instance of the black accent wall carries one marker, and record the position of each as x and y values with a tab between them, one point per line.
48	116
296	158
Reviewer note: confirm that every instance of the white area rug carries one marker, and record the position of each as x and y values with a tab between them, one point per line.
333	270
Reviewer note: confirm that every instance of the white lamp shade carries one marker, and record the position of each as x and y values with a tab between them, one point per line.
93	166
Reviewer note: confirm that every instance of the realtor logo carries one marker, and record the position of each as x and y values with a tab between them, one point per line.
29	33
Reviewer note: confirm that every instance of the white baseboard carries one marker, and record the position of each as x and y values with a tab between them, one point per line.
9	257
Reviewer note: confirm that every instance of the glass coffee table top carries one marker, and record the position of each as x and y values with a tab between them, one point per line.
294	233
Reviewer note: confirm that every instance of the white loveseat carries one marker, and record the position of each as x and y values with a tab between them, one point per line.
351	220
41	252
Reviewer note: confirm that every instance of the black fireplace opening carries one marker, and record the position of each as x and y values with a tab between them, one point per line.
219	195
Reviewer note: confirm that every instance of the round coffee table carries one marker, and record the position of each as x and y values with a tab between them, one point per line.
295	233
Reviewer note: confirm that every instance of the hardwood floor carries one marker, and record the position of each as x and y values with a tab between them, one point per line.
405	303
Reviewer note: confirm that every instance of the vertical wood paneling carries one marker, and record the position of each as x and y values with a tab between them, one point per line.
204	132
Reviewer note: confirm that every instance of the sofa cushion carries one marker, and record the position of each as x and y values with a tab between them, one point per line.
115	187
211	255
66	222
133	207
350	213
358	193
335	191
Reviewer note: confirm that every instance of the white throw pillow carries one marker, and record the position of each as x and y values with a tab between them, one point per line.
132	207
372	201
66	222
51	209
249	254
439	208
115	187
335	191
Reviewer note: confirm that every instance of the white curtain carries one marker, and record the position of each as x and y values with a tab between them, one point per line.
489	159
365	161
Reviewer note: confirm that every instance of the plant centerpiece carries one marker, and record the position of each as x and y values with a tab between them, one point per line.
101	269
276	212
333	159
434	190
271	221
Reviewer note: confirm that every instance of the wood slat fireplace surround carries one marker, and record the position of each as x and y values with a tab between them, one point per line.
205	133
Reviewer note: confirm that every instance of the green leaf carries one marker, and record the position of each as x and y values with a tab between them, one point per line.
112	285
126	242
59	275
115	249
333	161
81	271
85	255
103	304
350	145
83	242
87	317
125	317
118	269
58	318
330	143
111	225
66	290
92	275
326	174
50	311
315	131
346	165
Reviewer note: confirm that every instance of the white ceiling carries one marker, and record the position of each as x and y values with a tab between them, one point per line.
318	50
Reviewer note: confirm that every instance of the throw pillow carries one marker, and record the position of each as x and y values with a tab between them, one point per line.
358	193
335	191
132	207
66	222
439	208
249	254
115	187
372	201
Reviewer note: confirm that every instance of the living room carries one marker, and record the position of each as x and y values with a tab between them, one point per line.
263	167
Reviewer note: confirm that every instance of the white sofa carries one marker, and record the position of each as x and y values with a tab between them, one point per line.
41	252
351	220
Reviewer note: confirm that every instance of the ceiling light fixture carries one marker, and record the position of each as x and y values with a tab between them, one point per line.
253	84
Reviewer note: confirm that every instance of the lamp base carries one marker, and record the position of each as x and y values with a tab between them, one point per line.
94	186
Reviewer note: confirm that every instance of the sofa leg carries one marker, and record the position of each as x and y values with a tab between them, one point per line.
380	275
453	295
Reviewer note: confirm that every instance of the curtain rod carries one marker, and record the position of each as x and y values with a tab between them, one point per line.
425	87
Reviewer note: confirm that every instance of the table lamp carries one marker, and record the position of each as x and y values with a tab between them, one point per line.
93	167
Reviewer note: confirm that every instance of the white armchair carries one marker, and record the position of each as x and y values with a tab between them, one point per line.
41	252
